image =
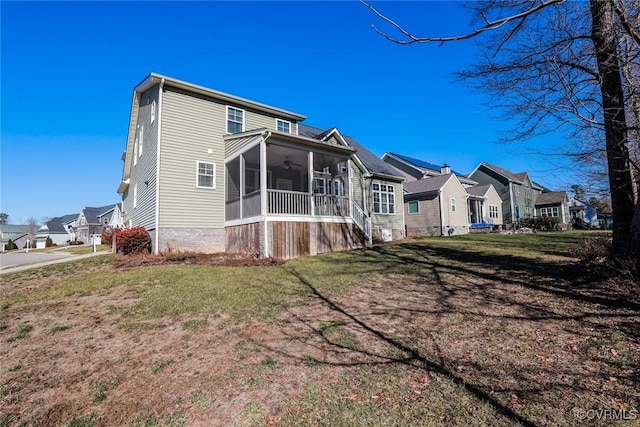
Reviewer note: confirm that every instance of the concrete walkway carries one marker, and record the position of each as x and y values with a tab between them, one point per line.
19	261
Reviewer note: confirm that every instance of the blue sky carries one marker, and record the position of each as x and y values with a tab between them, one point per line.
69	68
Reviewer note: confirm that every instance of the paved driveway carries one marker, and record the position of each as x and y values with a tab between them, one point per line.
18	258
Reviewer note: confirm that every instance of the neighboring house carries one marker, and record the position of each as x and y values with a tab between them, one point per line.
55	229
413	169
516	190
436	206
485	206
583	214
208	171
554	204
91	221
481	202
605	220
19	234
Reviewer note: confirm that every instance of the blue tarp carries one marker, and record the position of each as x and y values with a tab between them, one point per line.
481	225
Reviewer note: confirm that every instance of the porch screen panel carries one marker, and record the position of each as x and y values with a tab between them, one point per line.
232	190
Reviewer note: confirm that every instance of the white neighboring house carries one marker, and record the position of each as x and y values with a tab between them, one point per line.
583	214
56	229
92	220
18	234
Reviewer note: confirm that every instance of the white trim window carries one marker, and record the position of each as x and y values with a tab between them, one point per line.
135	195
453	204
338	187
550	212
140	140
493	211
153	111
206	175
235	120
383	199
135	152
413	207
283	126
319	186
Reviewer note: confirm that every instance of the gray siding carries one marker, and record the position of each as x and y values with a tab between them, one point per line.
427	221
144	167
391	222
357	181
483	176
192	131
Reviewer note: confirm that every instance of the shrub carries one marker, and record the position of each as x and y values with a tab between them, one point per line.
11	246
542	223
592	250
133	241
48	242
107	234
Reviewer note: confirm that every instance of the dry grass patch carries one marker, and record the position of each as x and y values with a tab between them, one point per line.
472	330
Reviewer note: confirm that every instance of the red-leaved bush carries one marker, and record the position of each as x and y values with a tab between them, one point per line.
133	241
107	234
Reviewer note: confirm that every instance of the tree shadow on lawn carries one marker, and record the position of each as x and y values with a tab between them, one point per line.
524	331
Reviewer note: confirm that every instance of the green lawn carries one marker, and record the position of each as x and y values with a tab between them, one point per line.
469	330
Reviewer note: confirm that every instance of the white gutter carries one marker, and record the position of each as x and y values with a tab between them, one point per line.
159	124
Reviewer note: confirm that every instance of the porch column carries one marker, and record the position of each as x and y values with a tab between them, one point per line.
350	192
263	194
311	174
241	192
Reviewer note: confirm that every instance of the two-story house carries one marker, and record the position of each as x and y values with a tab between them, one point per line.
516	190
209	171
92	220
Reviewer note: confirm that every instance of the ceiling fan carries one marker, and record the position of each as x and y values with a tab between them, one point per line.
287	164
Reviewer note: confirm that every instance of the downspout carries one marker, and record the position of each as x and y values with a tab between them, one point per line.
441	212
159	124
466	203
512	202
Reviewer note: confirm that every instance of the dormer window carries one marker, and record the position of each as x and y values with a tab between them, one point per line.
235	120
283	126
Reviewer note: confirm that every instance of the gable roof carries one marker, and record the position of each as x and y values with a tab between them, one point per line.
423	166
553	197
420	164
518	178
92	213
427	185
155	79
479	190
370	161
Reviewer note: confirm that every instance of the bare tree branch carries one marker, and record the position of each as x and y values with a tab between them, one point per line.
490	25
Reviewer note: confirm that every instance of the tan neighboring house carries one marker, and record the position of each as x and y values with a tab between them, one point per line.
436	206
485	206
207	171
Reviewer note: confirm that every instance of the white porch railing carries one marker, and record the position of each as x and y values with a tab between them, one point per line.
285	202
360	218
329	205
